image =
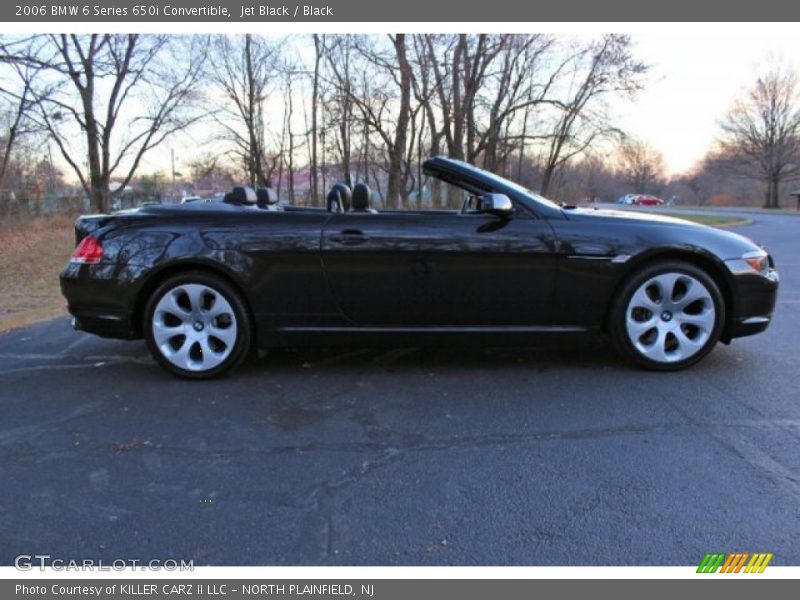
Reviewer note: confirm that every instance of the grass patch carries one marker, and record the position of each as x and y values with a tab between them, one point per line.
712	220
34	251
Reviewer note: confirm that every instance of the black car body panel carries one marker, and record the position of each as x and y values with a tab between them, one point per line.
590	239
445	270
312	276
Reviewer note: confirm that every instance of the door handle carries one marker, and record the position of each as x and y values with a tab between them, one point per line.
349	237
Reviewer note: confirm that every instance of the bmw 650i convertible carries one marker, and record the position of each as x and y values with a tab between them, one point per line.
205	283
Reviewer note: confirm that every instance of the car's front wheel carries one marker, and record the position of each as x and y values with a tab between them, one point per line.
197	326
667	316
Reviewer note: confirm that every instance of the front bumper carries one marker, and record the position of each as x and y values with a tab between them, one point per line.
754	295
749	326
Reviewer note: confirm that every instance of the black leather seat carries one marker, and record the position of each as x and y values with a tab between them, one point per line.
361	197
267	198
339	198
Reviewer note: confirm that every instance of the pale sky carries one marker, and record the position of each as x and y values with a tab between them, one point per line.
694	79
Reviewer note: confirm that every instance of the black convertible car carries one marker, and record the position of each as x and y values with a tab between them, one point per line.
204	283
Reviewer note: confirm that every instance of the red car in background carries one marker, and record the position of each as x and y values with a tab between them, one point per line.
642	200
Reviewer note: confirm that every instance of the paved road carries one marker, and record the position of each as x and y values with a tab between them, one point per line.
559	454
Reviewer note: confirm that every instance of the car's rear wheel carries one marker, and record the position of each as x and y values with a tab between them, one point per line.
197	326
667	316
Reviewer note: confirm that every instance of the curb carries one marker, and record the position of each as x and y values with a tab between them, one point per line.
739	223
28	317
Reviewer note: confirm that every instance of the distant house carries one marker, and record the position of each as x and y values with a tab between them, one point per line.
796	194
115	187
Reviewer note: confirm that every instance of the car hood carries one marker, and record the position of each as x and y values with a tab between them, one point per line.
627	215
727	244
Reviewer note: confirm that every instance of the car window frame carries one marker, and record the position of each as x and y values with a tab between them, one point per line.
521	210
537	206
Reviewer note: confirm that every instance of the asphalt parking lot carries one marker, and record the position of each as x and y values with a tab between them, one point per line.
557	454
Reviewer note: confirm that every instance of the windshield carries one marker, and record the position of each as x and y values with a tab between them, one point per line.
503	182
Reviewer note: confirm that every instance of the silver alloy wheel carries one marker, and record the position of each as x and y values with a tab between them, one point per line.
670	317
194	327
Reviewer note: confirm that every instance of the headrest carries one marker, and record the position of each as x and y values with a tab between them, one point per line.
338	199
266	197
333	201
241	194
361	196
345	194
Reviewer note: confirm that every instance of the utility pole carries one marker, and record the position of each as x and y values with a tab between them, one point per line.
172	156
174	175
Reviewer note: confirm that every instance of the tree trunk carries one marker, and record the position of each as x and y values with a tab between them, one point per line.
314	134
772	192
547	179
396	180
456	144
13	129
100	195
345	133
256	160
291	140
522	140
98	181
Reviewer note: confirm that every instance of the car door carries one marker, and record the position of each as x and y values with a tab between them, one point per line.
278	254
440	268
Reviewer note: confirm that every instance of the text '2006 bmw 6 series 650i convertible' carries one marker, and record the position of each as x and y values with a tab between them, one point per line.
204	283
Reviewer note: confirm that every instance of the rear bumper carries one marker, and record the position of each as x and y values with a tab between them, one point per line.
118	326
102	298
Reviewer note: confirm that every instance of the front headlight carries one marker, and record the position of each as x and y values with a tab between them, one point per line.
758	260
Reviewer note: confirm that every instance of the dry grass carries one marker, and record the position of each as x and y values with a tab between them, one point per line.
32	253
717	221
712	220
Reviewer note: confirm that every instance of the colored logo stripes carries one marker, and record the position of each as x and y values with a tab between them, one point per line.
735	562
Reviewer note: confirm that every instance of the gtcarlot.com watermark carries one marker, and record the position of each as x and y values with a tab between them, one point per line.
29	562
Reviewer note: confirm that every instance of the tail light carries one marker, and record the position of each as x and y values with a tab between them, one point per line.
88	252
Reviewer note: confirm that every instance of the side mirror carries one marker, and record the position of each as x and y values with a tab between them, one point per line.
498	205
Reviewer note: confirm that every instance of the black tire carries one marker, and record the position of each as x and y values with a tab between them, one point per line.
217	291
706	337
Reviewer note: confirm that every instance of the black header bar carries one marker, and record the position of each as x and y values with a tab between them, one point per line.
360	11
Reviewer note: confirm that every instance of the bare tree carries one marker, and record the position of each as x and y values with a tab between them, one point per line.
244	68
719	176
289	143
339	104
601	69
450	72
459	66
208	172
120	95
315	95
762	132
494	95
371	107
397	154
642	166
382	97
518	84
17	107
